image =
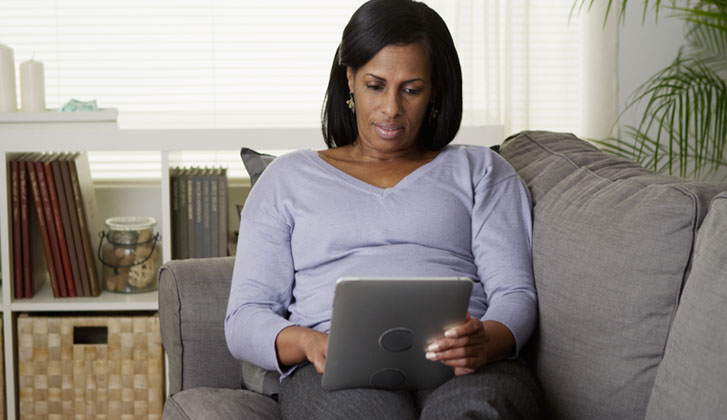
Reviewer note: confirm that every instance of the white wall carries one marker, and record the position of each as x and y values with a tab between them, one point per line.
643	50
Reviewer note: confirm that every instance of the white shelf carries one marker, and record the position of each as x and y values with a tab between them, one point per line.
108	136
54	116
43	301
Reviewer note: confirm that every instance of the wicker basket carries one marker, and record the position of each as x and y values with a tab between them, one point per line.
95	367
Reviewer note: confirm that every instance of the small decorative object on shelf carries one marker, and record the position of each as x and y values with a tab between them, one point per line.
131	254
32	86
8	98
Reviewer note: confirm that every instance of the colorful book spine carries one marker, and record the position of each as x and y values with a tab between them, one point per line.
60	192
60	234
17	244
85	227
29	289
85	289
49	250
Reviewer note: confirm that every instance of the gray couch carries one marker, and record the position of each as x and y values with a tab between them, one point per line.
631	272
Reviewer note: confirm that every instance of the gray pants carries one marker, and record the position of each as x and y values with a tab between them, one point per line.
502	390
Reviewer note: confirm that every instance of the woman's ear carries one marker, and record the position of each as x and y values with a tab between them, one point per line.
350	75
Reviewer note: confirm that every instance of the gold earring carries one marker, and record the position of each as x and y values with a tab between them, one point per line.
350	103
433	113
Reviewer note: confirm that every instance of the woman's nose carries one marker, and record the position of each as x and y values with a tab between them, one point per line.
392	103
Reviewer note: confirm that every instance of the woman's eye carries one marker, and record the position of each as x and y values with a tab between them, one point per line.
412	91
375	87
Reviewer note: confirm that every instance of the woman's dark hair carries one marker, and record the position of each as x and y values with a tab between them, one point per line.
380	23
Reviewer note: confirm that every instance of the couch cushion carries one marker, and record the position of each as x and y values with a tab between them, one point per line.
255	163
220	404
611	248
692	378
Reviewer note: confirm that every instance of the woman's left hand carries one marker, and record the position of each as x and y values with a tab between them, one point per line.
471	345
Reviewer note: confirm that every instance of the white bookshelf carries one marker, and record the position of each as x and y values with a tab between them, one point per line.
17	138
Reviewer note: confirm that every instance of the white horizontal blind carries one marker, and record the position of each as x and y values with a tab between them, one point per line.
242	63
521	61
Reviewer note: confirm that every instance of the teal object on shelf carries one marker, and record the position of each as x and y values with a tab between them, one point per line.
79	106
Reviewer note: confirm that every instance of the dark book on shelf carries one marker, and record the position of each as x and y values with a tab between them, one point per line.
174	208
199	251
17	247
83	287
28	285
85	204
190	214
222	205
214	213
58	223
60	192
54	263
206	216
182	226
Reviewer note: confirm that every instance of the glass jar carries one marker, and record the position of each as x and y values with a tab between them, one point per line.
131	254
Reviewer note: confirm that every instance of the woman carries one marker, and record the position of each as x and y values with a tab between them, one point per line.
388	198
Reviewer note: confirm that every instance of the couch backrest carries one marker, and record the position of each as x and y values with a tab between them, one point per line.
692	379
612	245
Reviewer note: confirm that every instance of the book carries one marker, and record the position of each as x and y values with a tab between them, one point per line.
198	216
60	193
85	203
41	272
28	284
189	175
80	257
206	243
174	207
56	265
182	223
222	204
214	213
58	223
17	244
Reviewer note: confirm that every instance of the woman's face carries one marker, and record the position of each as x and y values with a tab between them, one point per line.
391	93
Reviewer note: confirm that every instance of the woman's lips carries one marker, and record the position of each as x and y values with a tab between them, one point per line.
388	131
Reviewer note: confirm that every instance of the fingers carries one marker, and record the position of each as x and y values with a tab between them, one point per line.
457	353
462	371
319	364
469	327
468	334
463	347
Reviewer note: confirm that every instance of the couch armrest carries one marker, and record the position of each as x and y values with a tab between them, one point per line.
193	298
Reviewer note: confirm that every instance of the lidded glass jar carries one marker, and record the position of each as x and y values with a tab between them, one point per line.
131	254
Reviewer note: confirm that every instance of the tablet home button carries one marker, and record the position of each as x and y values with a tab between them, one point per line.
396	339
388	378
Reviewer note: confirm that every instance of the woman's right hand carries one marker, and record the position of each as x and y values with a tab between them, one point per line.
315	346
296	345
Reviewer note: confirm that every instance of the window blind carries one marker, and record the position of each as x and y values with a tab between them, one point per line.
241	63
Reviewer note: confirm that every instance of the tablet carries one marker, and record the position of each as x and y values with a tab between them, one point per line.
380	328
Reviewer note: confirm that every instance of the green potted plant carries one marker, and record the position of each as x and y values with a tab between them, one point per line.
683	129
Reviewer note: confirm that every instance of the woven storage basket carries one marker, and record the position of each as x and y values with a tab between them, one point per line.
95	367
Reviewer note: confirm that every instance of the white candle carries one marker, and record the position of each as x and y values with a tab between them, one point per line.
32	86
8	99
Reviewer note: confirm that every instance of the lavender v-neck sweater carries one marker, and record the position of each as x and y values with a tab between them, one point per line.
306	223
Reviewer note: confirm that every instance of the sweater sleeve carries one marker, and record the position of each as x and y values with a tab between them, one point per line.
262	281
502	247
